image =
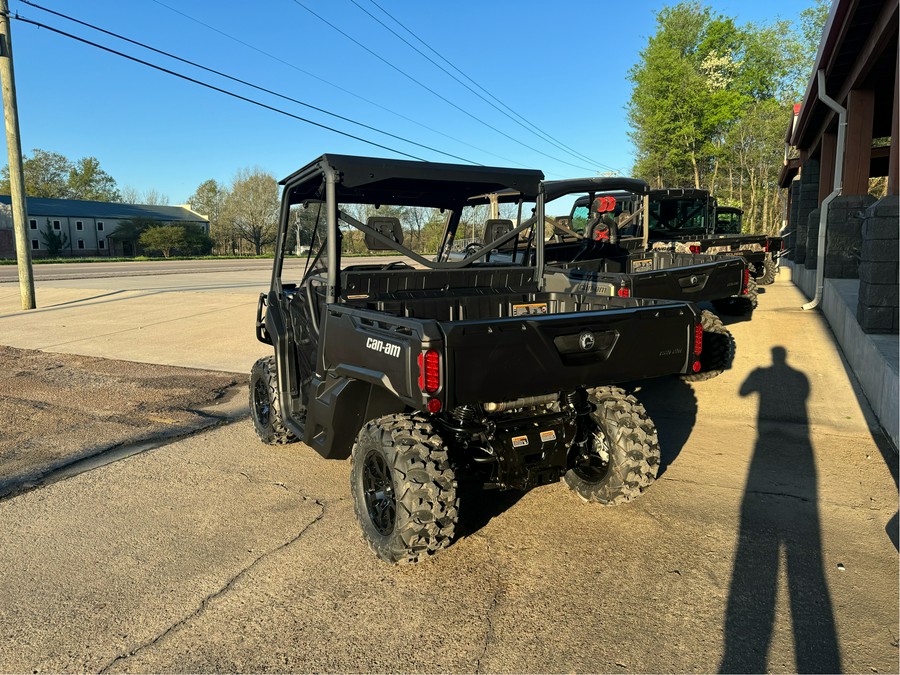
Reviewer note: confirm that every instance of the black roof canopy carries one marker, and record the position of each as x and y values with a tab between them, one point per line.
558	188
374	180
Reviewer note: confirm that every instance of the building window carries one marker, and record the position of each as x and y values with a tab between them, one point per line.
32	224
101	244
55	224
99	226
81	243
35	245
79	225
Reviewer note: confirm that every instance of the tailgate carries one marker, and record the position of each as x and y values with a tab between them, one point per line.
502	359
696	283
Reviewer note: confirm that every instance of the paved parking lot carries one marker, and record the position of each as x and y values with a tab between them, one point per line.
768	543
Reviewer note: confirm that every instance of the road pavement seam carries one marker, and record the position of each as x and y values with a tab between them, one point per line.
204	604
97	459
488	616
823	502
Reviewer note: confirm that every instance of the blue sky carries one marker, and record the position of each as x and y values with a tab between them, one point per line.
562	65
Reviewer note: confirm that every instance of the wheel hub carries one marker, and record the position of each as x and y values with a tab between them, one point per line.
261	403
593	461
378	487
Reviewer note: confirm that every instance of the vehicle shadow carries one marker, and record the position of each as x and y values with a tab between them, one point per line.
672	405
779	520
479	504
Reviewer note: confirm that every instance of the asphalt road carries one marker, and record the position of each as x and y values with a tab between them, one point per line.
767	544
149	268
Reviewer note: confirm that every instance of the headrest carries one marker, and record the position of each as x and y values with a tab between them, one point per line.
388	226
494	228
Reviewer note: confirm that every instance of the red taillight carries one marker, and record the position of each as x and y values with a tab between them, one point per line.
696	367
698	339
746	285
624	292
694	248
430	371
434	405
767	244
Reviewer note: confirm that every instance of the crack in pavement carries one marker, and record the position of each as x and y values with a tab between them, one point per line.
489	633
204	604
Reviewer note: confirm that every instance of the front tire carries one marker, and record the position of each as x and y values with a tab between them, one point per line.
619	459
265	408
404	489
718	349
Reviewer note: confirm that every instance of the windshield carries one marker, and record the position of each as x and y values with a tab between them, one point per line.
728	222
684	215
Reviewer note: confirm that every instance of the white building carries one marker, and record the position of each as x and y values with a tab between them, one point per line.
89	226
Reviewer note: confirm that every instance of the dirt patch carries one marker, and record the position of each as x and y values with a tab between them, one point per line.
58	408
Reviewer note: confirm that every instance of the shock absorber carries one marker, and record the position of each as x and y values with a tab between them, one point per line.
578	401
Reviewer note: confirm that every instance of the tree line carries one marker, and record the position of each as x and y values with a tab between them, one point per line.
711	102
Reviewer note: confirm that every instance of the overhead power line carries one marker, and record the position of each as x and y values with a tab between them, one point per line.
331	84
213	87
245	82
521	121
432	91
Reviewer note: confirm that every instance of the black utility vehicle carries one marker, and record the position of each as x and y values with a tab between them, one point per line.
605	251
692	220
670	232
429	373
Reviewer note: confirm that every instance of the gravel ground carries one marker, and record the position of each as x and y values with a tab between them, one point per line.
56	409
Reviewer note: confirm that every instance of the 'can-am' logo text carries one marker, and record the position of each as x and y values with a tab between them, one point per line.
384	347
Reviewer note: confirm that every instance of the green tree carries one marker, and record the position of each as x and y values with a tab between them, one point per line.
52	175
53	241
209	200
683	98
46	175
196	240
88	181
251	207
163	238
710	104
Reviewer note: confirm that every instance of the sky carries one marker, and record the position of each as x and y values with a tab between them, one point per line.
562	66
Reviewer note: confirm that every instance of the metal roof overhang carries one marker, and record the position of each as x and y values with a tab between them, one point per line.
855	52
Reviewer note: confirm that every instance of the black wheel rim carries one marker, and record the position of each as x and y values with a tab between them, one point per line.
592	464
378	487
261	405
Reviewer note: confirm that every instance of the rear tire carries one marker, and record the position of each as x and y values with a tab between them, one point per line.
718	349
404	489
620	458
738	305
265	408
769	272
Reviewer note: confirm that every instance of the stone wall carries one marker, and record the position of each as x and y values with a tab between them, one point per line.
877	311
843	242
790	242
809	201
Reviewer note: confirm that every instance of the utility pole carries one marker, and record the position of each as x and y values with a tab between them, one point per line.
14	148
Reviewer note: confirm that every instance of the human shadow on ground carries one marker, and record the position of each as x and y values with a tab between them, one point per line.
779	515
